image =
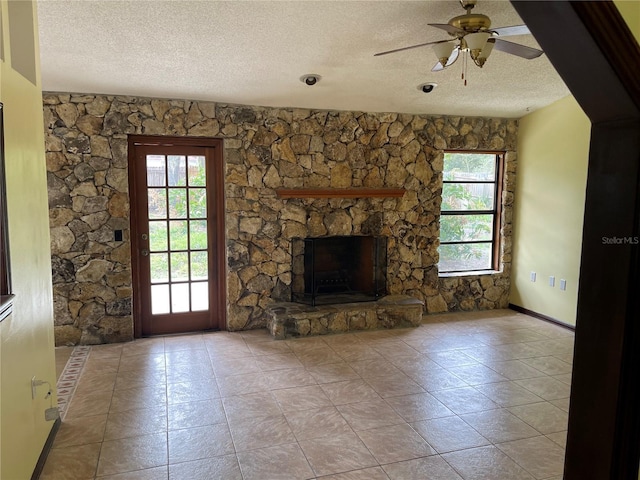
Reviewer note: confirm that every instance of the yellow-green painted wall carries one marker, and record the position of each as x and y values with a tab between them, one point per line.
26	337
553	152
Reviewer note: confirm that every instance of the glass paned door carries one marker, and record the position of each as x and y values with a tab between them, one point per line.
177	241
178	256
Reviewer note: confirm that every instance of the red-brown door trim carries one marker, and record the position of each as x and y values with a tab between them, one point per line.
217	214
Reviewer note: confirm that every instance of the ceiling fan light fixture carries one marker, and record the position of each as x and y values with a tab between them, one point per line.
443	51
485	52
476	42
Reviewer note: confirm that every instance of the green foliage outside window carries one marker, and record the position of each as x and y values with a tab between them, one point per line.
467	211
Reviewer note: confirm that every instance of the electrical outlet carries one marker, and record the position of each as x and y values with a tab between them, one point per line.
563	284
533	276
552	281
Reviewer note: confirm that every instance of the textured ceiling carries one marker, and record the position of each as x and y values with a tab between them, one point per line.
254	53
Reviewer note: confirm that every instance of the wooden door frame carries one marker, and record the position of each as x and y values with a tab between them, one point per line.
220	297
595	53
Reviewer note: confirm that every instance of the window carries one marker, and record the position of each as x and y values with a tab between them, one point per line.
470	212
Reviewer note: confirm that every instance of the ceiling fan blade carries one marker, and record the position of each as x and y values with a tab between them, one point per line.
517	49
510	31
447	28
452	58
409	48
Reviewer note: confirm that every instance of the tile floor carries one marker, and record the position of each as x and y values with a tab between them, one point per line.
481	395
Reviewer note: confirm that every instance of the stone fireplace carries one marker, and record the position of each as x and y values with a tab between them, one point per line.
339	269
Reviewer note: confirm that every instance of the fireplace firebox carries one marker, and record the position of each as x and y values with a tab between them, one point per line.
340	269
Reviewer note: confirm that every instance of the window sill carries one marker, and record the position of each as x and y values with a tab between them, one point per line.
469	274
6	306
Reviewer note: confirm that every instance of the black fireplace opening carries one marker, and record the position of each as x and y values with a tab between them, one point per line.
340	269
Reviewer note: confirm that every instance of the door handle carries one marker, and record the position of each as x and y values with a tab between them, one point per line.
144	252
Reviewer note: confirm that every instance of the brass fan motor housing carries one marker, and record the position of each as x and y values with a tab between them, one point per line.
471	22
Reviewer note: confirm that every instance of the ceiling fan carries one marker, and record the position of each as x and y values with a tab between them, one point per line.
472	33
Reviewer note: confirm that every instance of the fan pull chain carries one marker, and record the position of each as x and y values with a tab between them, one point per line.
464	69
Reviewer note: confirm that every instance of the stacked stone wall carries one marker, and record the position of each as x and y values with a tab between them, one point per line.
264	149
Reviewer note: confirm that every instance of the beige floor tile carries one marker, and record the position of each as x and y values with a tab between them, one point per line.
499	426
199	442
394	348
80	431
142	362
416	407
318	356
449	434
89	404
143	346
77	462
557	346
223	467
189	373
350	391
176	358
203	389
431	468
301	398
337	454
157	473
437	378
261	432
486	463
514	369
564	378
269	348
251	405
286	462
195	414
332	372
356	353
226	367
477	374
315	423
288	378
541	457
138	398
366	415
395	443
549	365
133	423
416	364
546	387
136	453
544	417
242	384
190	342
133	379
283	361
560	438
452	358
562	404
96	383
320	341
394	385
374	473
464	400
507	394
377	367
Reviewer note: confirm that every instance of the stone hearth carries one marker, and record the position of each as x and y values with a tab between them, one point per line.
285	319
